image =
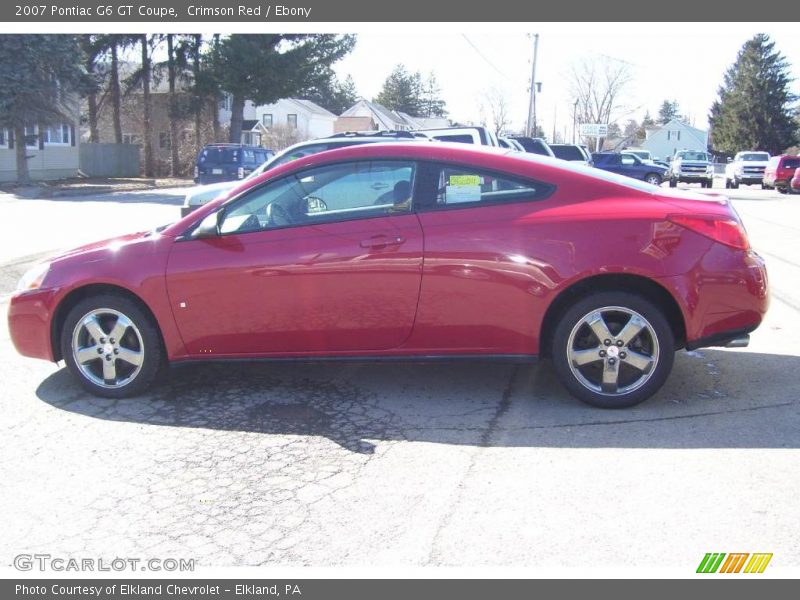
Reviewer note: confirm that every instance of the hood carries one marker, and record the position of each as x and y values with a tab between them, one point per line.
99	249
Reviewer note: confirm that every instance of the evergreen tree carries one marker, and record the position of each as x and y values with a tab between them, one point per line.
332	94
647	123
669	110
401	92
431	102
754	110
267	67
40	78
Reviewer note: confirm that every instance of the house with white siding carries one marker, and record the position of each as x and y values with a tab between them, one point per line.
664	141
53	152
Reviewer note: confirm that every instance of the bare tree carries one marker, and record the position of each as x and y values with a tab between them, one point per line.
598	86
496	103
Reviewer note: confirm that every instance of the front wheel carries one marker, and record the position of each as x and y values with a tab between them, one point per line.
613	349
673	183
111	346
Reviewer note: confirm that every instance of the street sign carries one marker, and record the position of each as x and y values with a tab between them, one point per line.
594	129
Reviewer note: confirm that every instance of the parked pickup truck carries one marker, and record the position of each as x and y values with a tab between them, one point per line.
746	168
691	166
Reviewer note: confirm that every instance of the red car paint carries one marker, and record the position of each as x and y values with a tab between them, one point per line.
463	281
780	170
795	183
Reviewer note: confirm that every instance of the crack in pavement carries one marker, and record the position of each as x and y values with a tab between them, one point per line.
434	555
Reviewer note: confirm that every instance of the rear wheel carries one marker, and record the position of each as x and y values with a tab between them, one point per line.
613	349
111	346
653	178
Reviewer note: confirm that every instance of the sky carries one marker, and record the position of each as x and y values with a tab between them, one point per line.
676	61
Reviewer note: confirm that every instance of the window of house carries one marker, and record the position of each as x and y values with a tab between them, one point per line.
225	103
291	121
130	138
3	138
266	120
164	141
31	136
58	135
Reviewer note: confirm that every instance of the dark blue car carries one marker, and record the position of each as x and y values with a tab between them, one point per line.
629	165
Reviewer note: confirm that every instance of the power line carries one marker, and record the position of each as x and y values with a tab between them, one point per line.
488	62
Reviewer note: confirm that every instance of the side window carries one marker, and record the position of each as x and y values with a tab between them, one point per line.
324	194
628	161
467	186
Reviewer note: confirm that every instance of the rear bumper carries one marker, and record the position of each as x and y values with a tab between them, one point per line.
725	297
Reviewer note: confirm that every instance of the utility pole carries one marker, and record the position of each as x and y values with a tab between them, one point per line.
555	108
532	104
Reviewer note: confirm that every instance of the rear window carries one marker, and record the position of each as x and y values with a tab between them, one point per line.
458	138
219	156
568	152
791	163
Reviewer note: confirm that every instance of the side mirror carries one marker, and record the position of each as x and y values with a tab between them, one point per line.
209	226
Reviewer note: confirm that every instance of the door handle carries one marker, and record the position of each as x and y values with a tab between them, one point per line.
377	242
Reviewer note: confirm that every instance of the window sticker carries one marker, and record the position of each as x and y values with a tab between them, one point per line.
455	194
465	180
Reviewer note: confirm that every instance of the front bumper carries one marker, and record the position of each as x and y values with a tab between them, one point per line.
692	177
30	317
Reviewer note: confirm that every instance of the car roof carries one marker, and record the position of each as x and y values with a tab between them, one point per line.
489	158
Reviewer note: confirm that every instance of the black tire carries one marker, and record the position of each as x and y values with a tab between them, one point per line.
142	336
673	183
764	186
781	190
655	377
735	184
653	178
727	184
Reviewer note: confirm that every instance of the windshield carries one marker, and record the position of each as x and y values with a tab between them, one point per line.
568	152
754	156
218	156
702	156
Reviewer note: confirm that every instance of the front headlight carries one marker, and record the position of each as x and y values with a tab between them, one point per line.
33	278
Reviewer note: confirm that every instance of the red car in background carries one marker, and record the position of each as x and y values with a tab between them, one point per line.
794	184
779	172
408	250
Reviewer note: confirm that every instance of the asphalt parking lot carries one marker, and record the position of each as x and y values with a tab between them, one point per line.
402	464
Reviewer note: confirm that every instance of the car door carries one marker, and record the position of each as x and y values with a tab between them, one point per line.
316	262
481	285
630	166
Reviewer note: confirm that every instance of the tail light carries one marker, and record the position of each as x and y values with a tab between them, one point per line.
240	172
196	171
727	230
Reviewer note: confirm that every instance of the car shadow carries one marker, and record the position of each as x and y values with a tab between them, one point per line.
713	399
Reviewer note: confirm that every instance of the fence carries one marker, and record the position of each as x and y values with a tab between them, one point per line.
109	160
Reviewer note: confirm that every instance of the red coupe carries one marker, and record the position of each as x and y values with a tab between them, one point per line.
415	251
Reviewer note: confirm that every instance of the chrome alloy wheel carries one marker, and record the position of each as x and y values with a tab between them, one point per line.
653	180
107	348
612	350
